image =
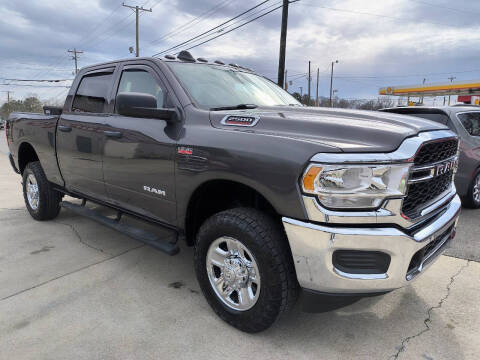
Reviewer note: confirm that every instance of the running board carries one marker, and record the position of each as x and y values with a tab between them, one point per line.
134	232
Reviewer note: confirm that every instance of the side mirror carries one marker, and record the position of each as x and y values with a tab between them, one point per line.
142	105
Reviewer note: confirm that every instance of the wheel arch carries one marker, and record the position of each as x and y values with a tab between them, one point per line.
217	195
26	154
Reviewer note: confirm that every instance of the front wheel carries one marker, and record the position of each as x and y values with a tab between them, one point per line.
472	199
245	269
43	203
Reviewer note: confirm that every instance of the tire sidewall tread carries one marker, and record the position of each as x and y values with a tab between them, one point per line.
267	242
49	199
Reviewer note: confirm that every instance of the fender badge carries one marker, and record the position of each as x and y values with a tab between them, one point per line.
184	150
240	120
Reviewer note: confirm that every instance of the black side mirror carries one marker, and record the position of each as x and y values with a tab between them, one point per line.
142	105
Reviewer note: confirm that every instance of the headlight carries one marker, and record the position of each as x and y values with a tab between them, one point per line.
355	186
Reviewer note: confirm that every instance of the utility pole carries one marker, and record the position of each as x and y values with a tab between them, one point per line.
318	81
286	81
331	83
283	43
451	78
75	53
424	79
309	80
137	9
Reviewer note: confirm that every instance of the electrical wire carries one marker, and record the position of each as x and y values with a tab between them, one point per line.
372	14
234	23
212	29
36	80
196	20
235	28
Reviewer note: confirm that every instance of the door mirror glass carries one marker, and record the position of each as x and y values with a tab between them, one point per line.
142	105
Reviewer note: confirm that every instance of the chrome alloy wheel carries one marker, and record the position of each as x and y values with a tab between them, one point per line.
476	189
33	195
233	273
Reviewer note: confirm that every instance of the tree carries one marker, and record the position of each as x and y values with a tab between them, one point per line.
30	104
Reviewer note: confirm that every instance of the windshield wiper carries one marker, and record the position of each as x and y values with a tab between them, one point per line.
235	107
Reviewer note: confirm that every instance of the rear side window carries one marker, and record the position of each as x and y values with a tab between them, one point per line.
92	94
141	81
471	122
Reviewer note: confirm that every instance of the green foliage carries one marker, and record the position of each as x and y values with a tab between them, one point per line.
30	104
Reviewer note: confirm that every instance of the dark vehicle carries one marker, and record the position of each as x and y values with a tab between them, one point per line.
464	120
277	199
2	124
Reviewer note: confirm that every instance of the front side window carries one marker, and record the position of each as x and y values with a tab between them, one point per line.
471	122
214	86
92	94
141	81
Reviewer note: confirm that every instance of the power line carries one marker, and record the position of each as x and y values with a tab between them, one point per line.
212	29
38	86
446	7
238	21
372	14
235	28
36	80
196	20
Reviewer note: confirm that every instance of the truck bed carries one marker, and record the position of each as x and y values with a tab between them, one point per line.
37	129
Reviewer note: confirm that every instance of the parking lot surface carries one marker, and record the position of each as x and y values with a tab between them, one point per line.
73	289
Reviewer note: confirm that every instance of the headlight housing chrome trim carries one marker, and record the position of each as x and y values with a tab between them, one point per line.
355	186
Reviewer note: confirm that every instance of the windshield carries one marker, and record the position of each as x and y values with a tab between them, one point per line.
471	122
214	86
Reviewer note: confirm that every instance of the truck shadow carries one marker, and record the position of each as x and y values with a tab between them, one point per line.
376	327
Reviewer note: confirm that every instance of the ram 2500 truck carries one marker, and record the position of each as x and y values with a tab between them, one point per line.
279	200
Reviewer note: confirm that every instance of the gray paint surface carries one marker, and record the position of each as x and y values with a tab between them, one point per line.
73	289
269	157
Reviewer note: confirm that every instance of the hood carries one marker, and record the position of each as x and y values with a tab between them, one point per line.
345	129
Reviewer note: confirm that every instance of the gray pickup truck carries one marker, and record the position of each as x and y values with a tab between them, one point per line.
279	200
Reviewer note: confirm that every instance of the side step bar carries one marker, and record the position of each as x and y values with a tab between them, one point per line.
135	233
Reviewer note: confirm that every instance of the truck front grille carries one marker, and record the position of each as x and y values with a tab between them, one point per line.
420	194
436	151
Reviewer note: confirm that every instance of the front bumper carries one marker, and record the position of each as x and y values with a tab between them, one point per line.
313	245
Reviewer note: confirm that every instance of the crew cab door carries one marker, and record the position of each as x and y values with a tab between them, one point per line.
80	137
139	154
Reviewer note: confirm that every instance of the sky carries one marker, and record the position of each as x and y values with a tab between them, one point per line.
377	42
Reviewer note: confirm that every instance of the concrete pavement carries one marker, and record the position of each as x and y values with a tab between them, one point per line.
71	288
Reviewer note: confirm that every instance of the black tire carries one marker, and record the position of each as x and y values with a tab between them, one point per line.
48	199
470	201
267	241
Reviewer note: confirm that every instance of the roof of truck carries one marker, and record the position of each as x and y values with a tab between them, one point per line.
182	57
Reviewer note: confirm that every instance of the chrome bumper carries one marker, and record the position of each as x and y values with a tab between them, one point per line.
313	245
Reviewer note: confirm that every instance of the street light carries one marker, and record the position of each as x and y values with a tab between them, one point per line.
334	91
331	83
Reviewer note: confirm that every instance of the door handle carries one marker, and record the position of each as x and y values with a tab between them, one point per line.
113	134
64	128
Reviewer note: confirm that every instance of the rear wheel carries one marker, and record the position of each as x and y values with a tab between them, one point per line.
472	199
43	203
245	269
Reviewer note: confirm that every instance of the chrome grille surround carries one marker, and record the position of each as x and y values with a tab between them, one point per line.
391	210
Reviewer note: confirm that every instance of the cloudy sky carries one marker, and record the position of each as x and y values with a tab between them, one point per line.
377	42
